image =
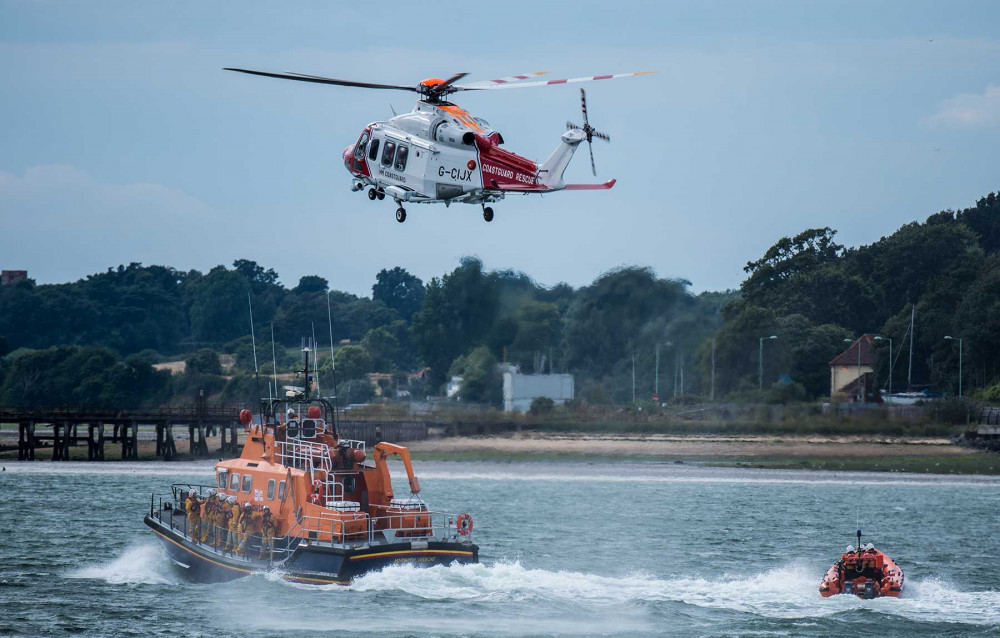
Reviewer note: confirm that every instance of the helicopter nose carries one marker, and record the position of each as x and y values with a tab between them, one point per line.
348	153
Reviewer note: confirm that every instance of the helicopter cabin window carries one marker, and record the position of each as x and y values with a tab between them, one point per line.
223	479
234	482
281	491
401	154
373	150
360	147
270	489
388	152
247	483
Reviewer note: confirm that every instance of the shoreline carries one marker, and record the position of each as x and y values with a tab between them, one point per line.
922	455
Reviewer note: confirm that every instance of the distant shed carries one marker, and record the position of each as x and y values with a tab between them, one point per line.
520	389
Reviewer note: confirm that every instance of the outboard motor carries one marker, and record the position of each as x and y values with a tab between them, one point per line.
869	589
848	586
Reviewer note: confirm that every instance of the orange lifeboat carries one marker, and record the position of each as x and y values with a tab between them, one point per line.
865	572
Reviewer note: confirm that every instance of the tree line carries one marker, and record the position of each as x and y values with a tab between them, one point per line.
628	333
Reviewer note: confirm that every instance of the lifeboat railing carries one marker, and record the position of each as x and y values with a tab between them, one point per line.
317	530
437	526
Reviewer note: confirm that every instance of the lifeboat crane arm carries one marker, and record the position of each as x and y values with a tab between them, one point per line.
385	450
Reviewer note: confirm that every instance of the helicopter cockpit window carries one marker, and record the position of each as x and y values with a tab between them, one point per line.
359	148
401	154
388	152
373	150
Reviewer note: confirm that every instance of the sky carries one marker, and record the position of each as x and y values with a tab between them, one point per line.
122	139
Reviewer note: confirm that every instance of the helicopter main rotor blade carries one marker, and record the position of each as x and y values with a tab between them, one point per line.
583	104
603	136
446	86
593	167
301	77
570	126
522	85
510	78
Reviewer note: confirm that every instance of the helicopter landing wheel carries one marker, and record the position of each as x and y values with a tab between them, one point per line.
372	194
400	214
488	214
381	195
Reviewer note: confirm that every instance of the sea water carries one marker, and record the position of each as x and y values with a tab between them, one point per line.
568	549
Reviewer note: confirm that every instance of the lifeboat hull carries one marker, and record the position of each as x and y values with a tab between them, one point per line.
866	574
307	562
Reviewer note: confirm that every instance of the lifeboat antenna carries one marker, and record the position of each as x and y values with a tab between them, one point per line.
319	392
256	376
274	369
333	364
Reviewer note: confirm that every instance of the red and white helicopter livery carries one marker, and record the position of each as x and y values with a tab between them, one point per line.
438	152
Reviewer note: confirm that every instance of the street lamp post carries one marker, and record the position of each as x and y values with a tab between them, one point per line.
959	363
760	361
890	361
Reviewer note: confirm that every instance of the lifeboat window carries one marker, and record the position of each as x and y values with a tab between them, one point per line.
373	150
292	429
270	489
388	152
234	482
401	154
308	429
247	483
223	479
359	148
281	491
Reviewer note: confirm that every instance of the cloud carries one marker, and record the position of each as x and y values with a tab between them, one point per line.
60	222
970	110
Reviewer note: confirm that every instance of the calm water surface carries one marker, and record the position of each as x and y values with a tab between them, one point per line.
566	549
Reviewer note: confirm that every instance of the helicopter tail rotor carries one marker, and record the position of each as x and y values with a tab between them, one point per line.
589	130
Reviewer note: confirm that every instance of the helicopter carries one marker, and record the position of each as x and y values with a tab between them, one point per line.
440	153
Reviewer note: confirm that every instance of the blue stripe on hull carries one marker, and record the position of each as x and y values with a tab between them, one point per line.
314	564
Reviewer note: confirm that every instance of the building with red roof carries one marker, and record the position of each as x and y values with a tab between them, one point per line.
852	371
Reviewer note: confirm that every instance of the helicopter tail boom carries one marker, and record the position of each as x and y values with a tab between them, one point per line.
550	172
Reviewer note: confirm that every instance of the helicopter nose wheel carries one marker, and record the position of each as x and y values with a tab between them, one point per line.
488	214
372	194
400	214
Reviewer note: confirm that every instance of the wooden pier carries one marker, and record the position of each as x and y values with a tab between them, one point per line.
61	427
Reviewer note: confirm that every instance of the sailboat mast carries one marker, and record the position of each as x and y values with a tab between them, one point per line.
909	371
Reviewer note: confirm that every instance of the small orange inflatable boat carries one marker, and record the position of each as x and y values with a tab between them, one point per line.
865	572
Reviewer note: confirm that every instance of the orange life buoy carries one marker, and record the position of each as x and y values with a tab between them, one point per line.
464	524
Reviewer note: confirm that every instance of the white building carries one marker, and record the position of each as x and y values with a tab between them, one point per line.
520	389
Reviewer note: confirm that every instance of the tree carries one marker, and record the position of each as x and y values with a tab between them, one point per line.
204	361
390	347
399	290
260	280
459	312
217	303
352	362
481	382
311	283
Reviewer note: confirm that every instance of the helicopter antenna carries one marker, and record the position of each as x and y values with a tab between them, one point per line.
256	375
589	130
392	109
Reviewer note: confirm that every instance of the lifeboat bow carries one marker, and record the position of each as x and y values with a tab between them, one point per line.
863	571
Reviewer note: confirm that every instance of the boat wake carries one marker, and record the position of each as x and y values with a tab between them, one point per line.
784	592
139	564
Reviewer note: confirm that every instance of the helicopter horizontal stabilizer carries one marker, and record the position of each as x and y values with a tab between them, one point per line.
591	187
